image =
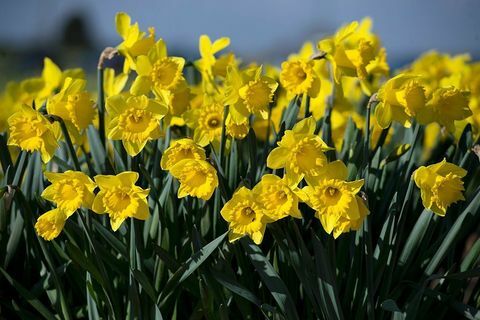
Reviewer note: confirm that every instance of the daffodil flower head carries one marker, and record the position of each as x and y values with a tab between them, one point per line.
279	199
355	51
208	61
69	190
245	215
299	77
300	152
207	122
446	106
157	71
237	130
178	101
120	198
440	185
180	150
113	84
31	131
135	120
257	94
335	200
400	99
135	42
197	178
73	104
50	224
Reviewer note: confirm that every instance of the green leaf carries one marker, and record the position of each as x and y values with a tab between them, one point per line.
272	280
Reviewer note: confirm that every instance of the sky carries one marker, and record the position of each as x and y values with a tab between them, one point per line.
264	30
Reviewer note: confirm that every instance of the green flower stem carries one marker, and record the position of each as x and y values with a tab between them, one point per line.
223	139
307	105
68	140
101	105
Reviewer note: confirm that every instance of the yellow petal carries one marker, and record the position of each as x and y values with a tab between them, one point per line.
278	158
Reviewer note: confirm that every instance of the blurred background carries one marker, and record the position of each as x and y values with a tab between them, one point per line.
73	32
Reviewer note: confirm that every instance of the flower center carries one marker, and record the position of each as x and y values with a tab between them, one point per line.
165	73
249	214
332	192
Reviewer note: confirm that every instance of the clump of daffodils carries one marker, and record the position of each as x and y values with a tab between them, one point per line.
319	105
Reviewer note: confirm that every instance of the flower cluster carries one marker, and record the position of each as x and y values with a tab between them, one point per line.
191	118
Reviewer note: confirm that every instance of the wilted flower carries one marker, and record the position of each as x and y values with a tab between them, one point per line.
121	198
197	178
245	215
440	185
335	200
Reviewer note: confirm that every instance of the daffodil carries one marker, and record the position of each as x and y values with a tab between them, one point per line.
134	120
73	104
300	152
197	178
180	150
113	84
279	199
299	77
446	106
207	122
157	71
31	131
120	198
208	61
135	42
178	101
245	215
401	98
69	190
440	185
355	51
237	130
335	200
50	224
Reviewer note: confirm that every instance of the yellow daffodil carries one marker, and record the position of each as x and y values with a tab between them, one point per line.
135	42
300	152
337	205
299	77
120	198
278	198
31	131
446	106
50	224
134	120
69	190
157	71
237	130
401	98
197	178
178	101
208	61
207	122
113	84
440	185
73	104
222	63
249	93
180	150
245	215
355	51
